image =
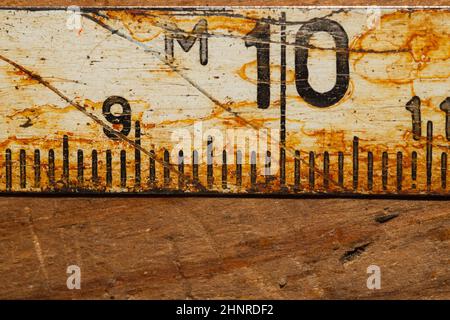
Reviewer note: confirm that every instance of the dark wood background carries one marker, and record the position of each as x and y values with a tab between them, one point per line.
200	247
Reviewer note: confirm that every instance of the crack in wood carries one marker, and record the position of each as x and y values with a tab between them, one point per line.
354	253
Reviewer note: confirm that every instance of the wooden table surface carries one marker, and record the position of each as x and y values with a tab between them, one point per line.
197	247
202	247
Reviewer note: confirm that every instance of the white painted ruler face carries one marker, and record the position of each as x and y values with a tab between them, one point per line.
225	100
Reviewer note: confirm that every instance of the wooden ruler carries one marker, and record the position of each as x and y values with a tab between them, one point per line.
265	100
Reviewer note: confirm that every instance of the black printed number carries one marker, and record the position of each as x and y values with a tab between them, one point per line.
260	38
304	89
124	118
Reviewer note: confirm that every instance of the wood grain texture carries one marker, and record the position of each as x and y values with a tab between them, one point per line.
184	247
194	248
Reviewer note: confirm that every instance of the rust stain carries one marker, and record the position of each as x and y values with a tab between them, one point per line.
145	26
248	72
421	40
36	111
21	78
142	27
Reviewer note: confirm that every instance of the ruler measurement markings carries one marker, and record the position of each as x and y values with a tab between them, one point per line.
209	163
8	166
384	170
326	170
66	160
37	168
253	174
399	171
444	170
152	169
341	169
370	170
187	78
355	162
94	170
180	171
137	155
23	168
224	170
283	99
80	167
166	165
51	167
311	176
297	176
414	169
239	168
267	172
123	169
109	176
429	153
97	120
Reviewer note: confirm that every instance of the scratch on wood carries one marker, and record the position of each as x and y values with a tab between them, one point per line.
97	120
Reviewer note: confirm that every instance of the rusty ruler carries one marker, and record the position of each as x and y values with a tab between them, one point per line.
236	100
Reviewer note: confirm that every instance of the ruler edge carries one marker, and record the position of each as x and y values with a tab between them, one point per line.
238	195
214	8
